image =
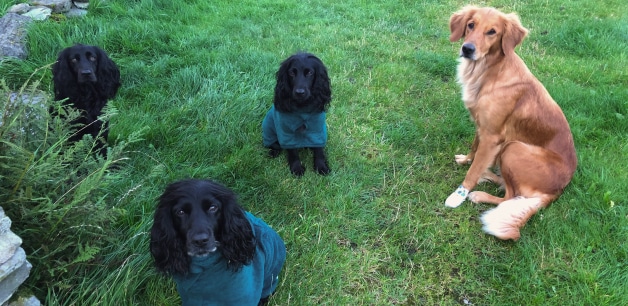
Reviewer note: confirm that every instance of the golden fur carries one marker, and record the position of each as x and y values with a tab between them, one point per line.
519	127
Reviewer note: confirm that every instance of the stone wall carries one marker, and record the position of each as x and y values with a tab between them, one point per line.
14	268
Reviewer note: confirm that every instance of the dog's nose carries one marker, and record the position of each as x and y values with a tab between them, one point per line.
299	91
200	240
468	50
86	72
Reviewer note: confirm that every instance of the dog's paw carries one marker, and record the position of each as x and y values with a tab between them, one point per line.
457	197
297	169
274	153
462	159
321	167
477	197
323	170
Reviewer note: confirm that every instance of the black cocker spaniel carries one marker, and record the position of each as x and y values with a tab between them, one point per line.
298	116
217	253
87	78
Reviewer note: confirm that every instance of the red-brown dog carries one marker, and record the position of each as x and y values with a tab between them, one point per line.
519	127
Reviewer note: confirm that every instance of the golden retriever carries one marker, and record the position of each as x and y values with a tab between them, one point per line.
519	127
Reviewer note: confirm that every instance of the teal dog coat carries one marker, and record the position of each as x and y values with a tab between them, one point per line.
210	282
294	130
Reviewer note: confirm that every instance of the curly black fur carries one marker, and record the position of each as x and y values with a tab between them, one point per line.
87	78
297	88
194	218
302	86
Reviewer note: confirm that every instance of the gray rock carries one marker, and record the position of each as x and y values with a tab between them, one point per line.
39	13
5	223
32	106
9	242
82	4
26	301
57	6
13	35
76	12
18	259
20	8
13	281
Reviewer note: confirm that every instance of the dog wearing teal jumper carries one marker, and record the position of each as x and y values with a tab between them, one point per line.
217	253
297	118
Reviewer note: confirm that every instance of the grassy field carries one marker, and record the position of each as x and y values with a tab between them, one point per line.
197	80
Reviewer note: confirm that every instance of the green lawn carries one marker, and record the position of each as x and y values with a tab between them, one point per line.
197	80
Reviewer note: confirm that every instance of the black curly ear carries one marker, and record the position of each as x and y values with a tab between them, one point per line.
237	241
63	77
108	74
321	89
283	88
166	246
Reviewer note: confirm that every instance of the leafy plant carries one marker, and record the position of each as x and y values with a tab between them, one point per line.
51	189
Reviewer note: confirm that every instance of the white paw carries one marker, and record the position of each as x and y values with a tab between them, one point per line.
473	197
462	159
457	197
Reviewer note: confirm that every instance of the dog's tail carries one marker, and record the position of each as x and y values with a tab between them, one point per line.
505	221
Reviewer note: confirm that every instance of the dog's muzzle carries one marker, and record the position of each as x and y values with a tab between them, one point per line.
468	51
201	244
300	94
87	75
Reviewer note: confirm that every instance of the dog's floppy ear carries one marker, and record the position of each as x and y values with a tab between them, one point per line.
283	86
237	241
514	33
63	75
458	22
166	246
321	89
107	73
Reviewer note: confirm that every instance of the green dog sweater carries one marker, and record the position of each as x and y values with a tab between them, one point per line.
294	130
211	282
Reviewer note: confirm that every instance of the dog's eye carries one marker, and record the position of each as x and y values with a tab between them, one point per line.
491	32
213	208
180	212
309	72
92	58
74	60
292	72
471	26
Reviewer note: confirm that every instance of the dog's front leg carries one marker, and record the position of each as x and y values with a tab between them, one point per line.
488	148
320	161
462	159
295	163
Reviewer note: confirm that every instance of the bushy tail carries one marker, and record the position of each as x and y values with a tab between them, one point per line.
508	217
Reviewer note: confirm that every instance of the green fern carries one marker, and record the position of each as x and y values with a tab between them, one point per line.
86	253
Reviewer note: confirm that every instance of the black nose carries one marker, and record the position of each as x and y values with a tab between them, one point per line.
200	240
468	50
299	91
86	72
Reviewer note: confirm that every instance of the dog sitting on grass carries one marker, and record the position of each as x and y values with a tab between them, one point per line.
519	127
86	79
217	253
297	118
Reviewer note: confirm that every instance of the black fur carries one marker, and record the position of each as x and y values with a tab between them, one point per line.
87	78
196	217
302	84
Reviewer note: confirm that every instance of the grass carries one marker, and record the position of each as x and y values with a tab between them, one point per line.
198	78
